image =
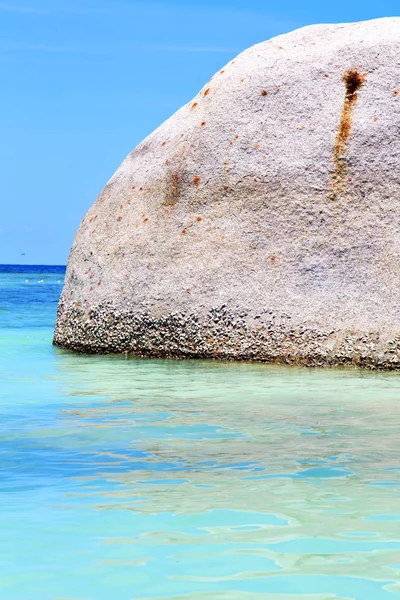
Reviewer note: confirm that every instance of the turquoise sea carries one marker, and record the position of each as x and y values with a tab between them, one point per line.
143	479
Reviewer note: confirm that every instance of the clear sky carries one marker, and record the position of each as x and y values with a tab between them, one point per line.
83	81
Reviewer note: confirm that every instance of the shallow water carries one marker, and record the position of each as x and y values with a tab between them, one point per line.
130	479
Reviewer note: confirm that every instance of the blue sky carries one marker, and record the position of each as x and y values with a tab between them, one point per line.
83	81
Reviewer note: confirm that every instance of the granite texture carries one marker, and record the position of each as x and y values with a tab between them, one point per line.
261	221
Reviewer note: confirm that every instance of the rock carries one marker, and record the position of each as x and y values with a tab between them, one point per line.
274	192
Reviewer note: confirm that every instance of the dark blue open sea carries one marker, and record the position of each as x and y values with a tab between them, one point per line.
127	479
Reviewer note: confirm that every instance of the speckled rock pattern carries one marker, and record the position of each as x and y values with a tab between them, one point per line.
262	220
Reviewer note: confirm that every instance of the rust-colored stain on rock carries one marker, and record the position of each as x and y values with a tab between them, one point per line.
206	92
353	81
172	188
196	180
193	105
264	92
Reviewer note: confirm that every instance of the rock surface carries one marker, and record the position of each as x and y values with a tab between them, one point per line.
262	220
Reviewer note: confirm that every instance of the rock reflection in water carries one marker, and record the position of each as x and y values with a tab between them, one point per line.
253	479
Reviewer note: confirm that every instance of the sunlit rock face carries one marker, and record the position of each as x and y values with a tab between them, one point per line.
262	220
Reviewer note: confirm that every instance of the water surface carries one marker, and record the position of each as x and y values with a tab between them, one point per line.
160	479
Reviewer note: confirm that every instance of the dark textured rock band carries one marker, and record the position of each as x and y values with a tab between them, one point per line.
220	334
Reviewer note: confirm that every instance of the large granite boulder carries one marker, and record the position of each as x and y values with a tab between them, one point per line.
262	220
